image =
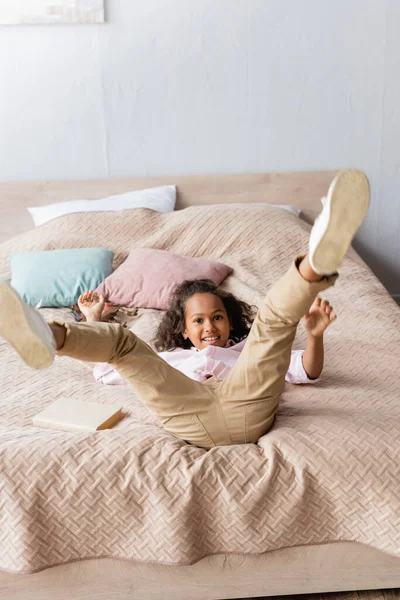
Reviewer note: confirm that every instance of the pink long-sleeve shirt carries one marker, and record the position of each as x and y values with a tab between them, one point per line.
200	365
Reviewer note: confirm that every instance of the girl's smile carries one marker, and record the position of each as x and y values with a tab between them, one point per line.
206	321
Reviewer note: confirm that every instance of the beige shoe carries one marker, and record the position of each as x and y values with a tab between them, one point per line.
344	209
25	329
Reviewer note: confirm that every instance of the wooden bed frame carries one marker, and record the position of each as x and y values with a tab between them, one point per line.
302	190
298	570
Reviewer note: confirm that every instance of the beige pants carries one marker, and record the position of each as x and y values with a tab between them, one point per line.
237	410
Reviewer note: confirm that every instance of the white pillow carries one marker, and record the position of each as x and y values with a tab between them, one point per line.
161	199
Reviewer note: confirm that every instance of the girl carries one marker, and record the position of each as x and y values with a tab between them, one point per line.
207	343
242	407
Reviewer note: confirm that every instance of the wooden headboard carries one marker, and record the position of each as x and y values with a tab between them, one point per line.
300	189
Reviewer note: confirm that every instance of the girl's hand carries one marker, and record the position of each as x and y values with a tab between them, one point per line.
319	317
91	305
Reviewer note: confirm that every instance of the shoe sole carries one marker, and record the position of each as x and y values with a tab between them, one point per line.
348	197
15	327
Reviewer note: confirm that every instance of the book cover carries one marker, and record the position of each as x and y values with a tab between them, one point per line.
69	414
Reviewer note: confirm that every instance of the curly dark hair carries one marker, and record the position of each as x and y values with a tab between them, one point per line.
169	333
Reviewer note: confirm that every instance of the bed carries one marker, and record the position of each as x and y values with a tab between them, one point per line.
314	507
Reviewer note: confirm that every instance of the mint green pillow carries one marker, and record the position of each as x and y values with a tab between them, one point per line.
57	277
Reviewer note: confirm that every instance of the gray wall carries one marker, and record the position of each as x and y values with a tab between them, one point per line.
212	86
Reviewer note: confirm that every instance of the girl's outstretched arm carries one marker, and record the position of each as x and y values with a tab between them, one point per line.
313	357
91	305
316	321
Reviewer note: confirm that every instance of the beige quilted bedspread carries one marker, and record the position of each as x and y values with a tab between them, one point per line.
329	470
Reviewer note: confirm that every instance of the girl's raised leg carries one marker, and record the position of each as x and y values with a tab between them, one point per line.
250	394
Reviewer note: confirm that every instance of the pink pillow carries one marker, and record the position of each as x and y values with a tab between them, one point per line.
147	277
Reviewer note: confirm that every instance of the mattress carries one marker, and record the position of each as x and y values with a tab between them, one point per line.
328	471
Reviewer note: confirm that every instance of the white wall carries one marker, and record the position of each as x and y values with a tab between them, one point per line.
171	87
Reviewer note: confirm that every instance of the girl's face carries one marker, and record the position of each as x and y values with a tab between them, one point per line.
206	321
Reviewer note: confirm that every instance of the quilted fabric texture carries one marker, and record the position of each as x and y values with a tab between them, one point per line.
329	469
